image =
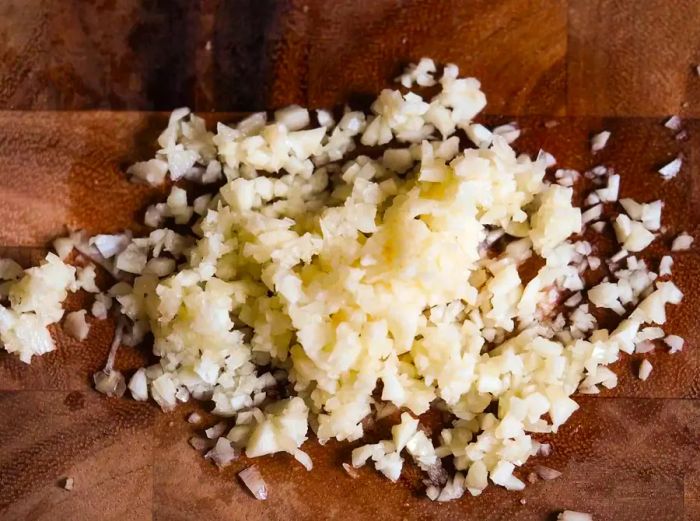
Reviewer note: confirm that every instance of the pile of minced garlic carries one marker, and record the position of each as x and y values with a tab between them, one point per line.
365	281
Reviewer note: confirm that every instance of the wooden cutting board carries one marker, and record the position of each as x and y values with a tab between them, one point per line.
629	454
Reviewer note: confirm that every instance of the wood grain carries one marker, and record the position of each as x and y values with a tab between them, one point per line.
623	460
134	54
582	57
250	54
516	48
629	454
625	455
105	445
66	171
103	54
630	58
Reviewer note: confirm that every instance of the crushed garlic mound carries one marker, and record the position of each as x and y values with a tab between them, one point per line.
397	269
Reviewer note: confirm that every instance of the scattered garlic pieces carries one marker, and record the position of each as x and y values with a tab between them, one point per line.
670	170
673	123
674	342
682	242
645	369
76	326
599	141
